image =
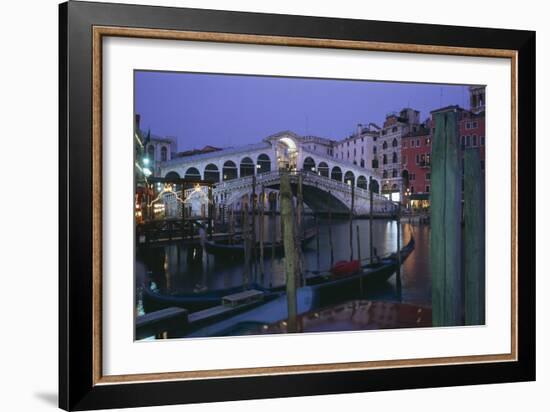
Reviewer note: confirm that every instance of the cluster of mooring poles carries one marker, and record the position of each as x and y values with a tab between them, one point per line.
449	242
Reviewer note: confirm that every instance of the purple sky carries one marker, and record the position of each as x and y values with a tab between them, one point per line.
228	110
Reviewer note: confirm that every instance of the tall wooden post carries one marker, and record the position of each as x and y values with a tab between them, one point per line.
398	271
317	241
246	245
358	244
253	228
261	204
330	233
149	213
351	221
299	205
299	229
210	209
273	218
474	239
182	213
445	241
231	225
290	250
359	258
371	212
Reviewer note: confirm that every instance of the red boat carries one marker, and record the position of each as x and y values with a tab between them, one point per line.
345	267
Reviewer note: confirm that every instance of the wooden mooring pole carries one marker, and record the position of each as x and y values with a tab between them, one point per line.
261	233
246	240
359	258
358	244
371	244
287	216
231	224
299	230
273	240
330	232
351	220
474	239
317	241
210	213
182	213
398	271
445	239
253	228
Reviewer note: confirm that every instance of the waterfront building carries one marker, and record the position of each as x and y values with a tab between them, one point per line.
358	147
416	149
320	145
477	99
388	149
155	149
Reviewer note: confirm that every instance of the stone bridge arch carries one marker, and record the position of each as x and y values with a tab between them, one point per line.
309	164
247	167
172	175
263	162
336	173
229	170
211	172
192	173
320	194
323	169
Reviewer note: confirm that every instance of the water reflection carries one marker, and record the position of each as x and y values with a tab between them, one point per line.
177	268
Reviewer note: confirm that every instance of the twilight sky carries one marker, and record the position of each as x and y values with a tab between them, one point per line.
229	110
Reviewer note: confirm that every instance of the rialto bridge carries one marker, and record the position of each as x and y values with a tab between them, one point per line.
327	182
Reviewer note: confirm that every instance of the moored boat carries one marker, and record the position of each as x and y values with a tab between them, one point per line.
329	288
236	250
155	300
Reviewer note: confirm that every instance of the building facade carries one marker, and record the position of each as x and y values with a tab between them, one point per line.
416	149
357	148
417	144
387	149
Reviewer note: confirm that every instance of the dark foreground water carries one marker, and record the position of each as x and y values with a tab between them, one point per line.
176	268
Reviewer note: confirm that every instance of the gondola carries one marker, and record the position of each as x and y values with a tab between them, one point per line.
321	290
236	251
155	300
373	272
329	287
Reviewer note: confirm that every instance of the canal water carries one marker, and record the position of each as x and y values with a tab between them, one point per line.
177	268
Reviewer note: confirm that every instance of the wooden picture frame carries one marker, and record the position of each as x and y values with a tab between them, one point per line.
82	28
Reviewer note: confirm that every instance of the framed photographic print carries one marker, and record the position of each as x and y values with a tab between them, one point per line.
257	205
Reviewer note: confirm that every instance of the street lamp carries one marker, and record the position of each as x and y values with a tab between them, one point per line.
146	170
